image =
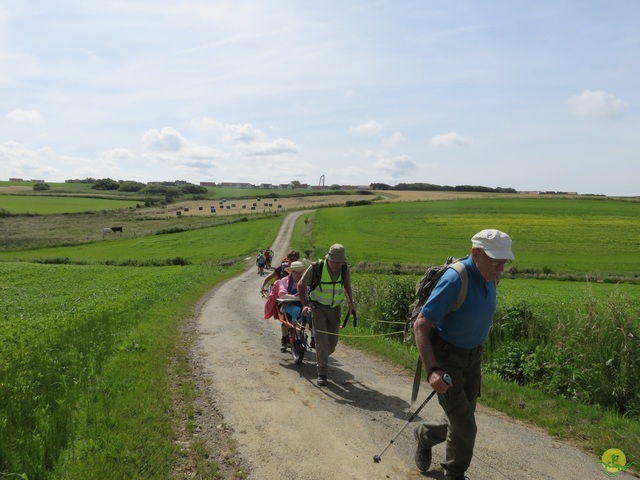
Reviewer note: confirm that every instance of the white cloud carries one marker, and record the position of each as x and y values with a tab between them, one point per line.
26	116
21	160
253	142
168	147
244	133
368	129
451	138
394	139
207	123
397	165
166	140
597	104
118	154
280	146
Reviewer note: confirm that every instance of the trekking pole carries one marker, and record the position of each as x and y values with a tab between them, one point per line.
447	379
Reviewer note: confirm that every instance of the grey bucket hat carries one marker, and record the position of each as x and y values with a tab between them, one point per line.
336	254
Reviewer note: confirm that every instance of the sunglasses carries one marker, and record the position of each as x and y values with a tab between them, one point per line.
495	262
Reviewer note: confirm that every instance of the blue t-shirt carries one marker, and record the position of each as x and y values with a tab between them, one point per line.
468	326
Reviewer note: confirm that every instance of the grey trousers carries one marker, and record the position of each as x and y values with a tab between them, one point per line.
325	319
457	427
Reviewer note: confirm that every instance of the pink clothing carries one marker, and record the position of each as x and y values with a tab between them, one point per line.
283	286
271	307
279	289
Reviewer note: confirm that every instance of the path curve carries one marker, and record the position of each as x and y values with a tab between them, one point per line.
285	427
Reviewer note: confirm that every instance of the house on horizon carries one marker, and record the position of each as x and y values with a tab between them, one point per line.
236	184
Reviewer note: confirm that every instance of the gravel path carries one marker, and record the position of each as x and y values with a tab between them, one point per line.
280	425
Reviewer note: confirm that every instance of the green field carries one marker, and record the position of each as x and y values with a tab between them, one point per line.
578	236
49	204
76	339
214	244
83	364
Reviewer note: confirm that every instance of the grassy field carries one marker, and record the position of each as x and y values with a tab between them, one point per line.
84	360
76	339
578	236
42	205
223	243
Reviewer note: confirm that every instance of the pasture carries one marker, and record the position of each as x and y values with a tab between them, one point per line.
77	338
49	204
224	243
586	237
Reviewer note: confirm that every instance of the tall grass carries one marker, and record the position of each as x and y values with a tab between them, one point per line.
576	343
83	358
589	352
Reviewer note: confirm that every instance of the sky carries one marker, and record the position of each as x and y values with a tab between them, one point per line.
528	95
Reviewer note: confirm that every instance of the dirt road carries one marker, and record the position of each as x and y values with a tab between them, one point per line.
265	414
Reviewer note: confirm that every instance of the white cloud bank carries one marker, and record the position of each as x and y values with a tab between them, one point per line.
25	116
368	129
597	104
451	138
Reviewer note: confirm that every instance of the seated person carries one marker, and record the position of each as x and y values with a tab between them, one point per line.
287	288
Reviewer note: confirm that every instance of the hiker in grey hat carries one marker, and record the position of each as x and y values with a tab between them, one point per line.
450	342
322	289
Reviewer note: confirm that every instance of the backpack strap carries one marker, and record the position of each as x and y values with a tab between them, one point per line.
464	278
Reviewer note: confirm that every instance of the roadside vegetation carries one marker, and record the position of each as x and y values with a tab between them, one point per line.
95	379
91	342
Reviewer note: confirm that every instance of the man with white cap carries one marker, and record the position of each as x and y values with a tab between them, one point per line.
329	283
450	342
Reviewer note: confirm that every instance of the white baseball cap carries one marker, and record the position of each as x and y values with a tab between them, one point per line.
496	244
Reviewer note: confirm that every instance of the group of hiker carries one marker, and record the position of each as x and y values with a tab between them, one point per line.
449	330
321	287
263	260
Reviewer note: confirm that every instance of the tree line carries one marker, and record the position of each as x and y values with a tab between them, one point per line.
430	187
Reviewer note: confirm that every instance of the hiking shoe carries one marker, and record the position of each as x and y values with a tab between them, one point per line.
284	341
422	456
322	381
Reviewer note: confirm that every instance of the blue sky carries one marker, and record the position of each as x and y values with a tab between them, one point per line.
529	95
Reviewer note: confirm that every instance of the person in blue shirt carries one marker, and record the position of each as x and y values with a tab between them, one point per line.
450	342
